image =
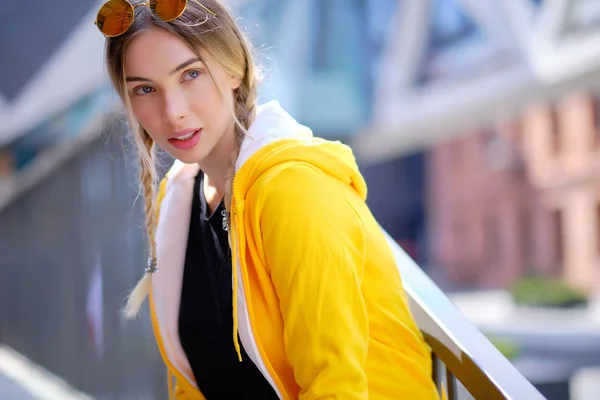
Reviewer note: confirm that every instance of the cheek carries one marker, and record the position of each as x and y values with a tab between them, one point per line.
208	103
147	114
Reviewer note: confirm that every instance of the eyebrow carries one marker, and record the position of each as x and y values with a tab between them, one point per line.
174	71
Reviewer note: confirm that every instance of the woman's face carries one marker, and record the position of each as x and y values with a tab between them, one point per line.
173	96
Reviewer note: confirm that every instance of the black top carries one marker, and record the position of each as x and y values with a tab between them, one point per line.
206	313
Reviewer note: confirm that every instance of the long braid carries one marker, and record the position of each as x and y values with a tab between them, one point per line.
244	113
148	181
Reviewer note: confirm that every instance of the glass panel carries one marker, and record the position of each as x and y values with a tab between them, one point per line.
458	48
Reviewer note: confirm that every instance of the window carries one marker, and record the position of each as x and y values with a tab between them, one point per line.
557	222
492	239
332	94
379	18
460	238
598	226
450	24
595	117
322	54
338	29
458	154
555	130
527	239
450	49
500	148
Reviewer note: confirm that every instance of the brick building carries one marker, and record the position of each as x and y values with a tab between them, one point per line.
519	198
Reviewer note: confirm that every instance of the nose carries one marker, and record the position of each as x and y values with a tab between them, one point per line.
175	107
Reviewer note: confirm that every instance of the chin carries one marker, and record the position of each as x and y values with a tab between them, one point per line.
192	156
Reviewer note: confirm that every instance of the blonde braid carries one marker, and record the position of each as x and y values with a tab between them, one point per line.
148	181
246	99
244	113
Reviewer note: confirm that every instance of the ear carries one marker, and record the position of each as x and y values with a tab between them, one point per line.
234	82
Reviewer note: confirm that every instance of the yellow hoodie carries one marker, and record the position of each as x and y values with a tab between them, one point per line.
318	301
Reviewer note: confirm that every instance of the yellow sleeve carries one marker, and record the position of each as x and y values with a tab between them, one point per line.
314	248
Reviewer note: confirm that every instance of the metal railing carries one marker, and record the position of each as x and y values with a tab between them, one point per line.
460	352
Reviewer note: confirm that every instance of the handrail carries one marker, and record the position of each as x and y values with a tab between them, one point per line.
459	349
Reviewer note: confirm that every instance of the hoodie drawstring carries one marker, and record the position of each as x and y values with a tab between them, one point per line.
234	255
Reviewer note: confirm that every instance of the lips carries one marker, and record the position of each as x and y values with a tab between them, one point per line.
185	139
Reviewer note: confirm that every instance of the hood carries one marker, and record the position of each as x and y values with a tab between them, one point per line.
275	137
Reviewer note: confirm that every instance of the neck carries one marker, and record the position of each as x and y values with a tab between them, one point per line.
217	165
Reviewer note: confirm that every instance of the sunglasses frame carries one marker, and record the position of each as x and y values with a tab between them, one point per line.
132	7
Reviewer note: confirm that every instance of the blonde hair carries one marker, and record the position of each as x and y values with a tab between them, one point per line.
221	38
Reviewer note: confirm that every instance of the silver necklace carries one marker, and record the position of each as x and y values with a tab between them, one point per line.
225	222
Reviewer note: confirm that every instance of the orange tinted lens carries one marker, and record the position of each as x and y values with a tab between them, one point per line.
115	17
168	10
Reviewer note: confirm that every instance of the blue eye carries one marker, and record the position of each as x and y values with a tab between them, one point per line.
191	75
142	90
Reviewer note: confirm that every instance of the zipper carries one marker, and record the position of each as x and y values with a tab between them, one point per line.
235	256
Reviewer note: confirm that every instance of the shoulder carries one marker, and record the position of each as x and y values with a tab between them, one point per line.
304	211
299	192
296	177
292	181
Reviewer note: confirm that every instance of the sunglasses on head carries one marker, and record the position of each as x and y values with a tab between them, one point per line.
116	16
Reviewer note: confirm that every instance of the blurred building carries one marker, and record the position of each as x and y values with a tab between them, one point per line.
452	66
562	143
482	88
488	223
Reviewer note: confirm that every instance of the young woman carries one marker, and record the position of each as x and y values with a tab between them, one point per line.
275	280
